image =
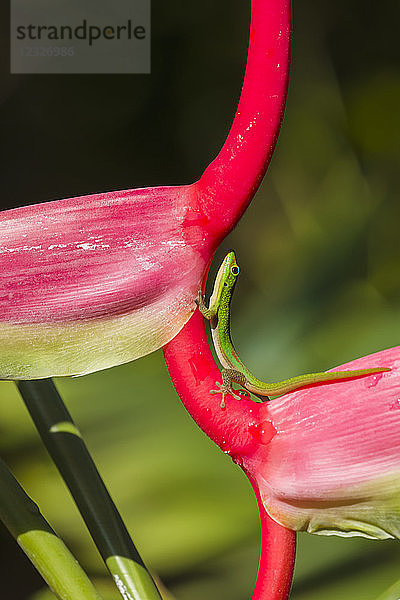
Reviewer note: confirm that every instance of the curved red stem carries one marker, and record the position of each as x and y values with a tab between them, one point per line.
278	550
194	372
224	192
231	180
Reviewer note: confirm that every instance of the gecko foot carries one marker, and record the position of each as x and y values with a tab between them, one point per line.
223	389
206	312
199	298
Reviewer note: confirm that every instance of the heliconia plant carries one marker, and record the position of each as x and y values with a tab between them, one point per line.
95	281
323	459
341	447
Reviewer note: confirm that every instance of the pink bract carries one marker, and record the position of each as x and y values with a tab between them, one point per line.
97	256
90	282
332	465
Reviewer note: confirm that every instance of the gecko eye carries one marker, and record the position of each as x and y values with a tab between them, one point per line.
235	270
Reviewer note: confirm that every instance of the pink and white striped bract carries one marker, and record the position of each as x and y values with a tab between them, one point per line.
90	282
330	459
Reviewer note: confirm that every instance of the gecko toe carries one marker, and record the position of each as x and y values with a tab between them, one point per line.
199	300
220	390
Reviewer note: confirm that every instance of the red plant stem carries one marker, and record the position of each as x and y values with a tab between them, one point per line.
278	550
231	180
194	373
225	190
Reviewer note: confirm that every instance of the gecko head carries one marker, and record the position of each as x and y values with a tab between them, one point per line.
225	279
228	271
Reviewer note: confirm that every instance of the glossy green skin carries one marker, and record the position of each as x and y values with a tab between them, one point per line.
234	370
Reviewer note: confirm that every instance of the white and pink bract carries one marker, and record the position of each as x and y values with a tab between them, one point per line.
90	282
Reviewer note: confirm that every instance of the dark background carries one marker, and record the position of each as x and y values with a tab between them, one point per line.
320	285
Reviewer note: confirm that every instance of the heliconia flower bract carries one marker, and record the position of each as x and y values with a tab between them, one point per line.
95	281
90	282
329	457
325	458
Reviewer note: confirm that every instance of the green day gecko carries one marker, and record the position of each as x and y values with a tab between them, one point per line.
234	371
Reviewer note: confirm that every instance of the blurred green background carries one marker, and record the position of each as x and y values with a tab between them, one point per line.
320	284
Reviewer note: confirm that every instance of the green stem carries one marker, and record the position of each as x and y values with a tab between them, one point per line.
44	548
68	450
